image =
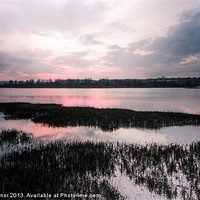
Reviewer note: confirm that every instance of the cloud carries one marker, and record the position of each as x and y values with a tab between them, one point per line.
32	16
10	61
3	61
90	40
23	63
181	41
178	51
95	38
72	59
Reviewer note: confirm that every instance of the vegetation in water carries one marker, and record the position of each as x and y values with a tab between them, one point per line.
56	167
15	136
107	119
87	167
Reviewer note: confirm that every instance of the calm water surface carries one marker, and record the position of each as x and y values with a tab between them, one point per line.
181	135
159	99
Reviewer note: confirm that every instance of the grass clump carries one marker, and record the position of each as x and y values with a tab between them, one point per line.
15	136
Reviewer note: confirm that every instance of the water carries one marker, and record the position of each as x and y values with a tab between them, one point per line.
167	135
168	99
145	99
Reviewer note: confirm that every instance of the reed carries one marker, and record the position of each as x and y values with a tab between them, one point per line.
15	136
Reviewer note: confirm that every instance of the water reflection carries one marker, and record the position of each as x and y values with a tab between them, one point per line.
132	191
183	135
158	99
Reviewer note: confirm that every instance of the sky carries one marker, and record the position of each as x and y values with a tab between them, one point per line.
61	39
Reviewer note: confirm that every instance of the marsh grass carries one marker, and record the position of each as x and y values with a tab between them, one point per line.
15	136
87	167
56	167
106	119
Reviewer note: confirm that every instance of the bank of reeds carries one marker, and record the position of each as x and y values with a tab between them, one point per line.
56	167
107	119
87	167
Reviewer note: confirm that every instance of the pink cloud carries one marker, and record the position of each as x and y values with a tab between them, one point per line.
50	76
142	52
61	73
190	59
13	75
99	69
5	77
23	74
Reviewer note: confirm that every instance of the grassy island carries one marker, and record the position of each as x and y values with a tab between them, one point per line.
107	119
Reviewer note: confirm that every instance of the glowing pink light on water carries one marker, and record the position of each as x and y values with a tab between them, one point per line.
90	101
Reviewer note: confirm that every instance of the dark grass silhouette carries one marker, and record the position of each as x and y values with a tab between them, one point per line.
107	119
87	167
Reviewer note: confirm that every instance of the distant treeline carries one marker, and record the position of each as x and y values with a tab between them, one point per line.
104	83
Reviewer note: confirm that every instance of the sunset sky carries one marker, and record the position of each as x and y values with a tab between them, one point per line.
43	39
